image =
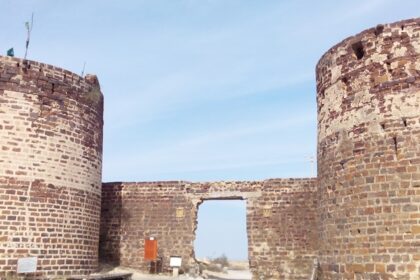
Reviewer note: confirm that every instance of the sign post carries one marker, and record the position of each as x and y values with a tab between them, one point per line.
175	262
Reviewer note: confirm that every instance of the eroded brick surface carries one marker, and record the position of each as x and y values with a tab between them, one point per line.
360	217
369	154
50	168
281	222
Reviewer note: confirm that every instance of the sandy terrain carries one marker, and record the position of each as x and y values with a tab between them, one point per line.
209	275
231	275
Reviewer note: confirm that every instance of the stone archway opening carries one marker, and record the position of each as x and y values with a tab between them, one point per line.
221	240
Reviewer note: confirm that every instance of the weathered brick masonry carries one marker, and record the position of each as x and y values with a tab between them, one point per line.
360	218
50	168
281	222
369	154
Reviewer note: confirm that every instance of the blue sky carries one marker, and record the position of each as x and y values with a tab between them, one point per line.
198	90
221	232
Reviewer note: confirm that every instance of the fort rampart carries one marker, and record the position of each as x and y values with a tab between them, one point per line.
368	94
50	168
360	217
281	222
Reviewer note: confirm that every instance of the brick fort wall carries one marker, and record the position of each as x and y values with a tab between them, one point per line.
368	95
50	168
281	223
360	217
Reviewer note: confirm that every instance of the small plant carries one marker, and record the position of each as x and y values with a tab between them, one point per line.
218	264
222	260
93	96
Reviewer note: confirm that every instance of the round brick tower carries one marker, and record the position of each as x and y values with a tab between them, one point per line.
368	95
50	168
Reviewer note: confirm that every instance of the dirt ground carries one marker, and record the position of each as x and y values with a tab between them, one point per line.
240	272
231	275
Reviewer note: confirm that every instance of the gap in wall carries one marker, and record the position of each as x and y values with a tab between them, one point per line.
222	232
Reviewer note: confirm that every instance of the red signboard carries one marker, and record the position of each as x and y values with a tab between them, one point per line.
150	249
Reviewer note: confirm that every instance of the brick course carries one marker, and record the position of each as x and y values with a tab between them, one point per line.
369	154
50	168
281	222
360	217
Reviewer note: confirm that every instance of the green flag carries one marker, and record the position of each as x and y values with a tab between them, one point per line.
10	52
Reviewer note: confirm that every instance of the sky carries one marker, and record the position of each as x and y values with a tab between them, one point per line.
198	90
227	228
